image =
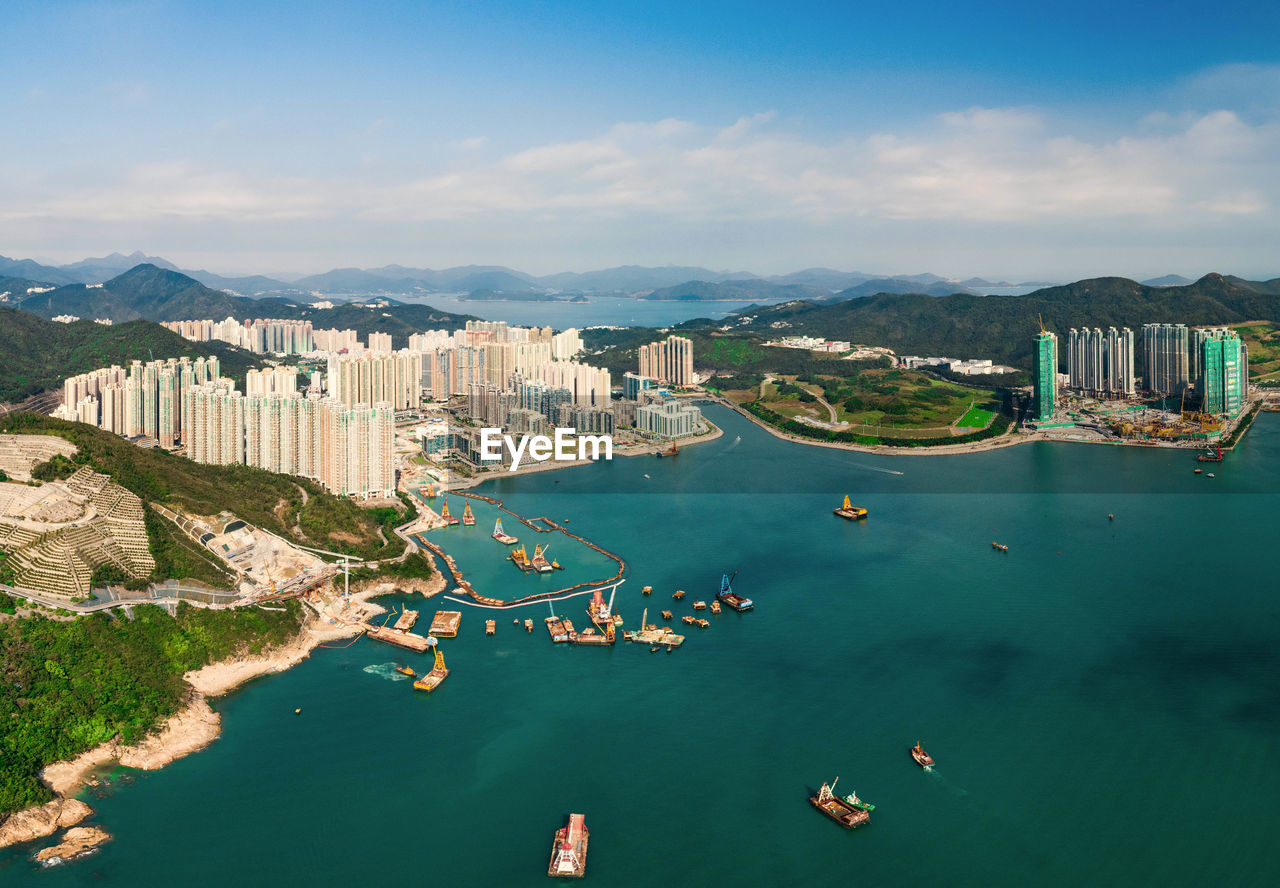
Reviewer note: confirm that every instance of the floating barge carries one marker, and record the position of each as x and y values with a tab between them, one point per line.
555	628
449	520
501	536
435	677
849	511
837	808
569	849
468	519
730	598
490	626
407	640
406	621
539	561
653	635
528	625
591	636
445	624
520	558
999	547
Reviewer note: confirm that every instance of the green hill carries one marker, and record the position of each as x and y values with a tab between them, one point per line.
1002	327
157	294
36	355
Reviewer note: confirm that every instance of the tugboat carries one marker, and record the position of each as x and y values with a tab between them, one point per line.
850	511
405	670
449	520
852	799
569	849
1214	455
730	598
922	758
433	679
674	451
505	538
838	809
468	519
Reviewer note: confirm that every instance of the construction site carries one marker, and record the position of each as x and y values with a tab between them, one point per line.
1156	421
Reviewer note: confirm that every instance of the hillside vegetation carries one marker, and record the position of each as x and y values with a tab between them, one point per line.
68	686
293	507
37	355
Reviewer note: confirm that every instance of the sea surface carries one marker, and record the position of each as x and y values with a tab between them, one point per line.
1103	700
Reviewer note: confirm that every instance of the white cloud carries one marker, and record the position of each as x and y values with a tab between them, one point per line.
1000	167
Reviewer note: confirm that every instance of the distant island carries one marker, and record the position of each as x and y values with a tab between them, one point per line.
520	296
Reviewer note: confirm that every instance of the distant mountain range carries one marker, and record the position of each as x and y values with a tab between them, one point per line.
1003	327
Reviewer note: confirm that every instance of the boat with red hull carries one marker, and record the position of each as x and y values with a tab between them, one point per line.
569	849
923	759
837	808
730	598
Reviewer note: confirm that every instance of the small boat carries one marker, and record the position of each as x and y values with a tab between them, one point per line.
1210	475
1111	517
852	799
653	650
922	758
405	670
298	711
837	808
490	626
999	547
678	594
666	615
569	849
849	511
1199	471
515	622
555	565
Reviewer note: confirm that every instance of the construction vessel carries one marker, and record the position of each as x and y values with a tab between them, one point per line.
850	511
730	598
539	561
528	625
673	450
1214	455
406	621
505	538
646	590
405	670
449	520
520	558
555	628
445	623
852	799
715	607
837	808
569	850
600	611
653	635
699	605
468	519
490	626
406	640
432	679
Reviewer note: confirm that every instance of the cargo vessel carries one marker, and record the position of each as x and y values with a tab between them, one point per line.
432	679
468	519
922	758
505	538
569	849
850	511
837	808
730	598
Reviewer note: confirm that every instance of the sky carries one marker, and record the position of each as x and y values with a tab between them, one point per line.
1005	140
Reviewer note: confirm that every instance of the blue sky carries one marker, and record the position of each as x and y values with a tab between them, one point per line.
960	138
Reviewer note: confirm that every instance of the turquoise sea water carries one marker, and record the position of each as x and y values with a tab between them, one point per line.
1102	701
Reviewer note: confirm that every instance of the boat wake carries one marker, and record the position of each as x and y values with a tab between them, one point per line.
387	671
878	469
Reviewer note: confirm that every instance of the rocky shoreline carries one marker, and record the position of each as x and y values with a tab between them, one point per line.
196	725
